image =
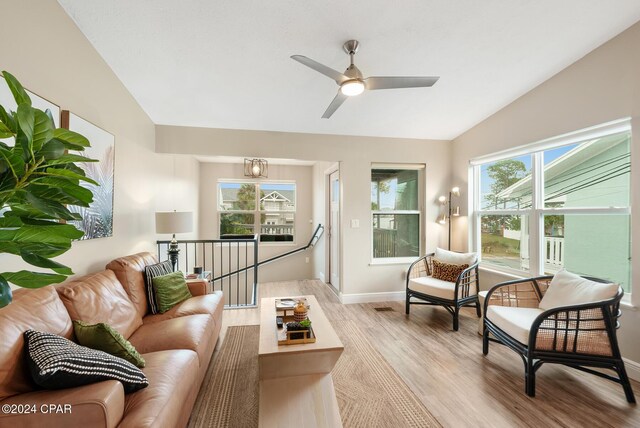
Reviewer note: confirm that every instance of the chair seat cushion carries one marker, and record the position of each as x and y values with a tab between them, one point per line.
516	322
569	289
433	287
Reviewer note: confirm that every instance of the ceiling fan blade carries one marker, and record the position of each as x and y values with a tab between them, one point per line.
394	82
337	102
320	68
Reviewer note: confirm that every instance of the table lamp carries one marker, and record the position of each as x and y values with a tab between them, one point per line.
174	222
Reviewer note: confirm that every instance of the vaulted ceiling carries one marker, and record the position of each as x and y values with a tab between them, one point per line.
225	64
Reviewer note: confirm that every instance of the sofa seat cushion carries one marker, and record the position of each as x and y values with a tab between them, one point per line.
39	309
433	287
171	393
97	405
99	297
130	272
193	332
211	304
516	322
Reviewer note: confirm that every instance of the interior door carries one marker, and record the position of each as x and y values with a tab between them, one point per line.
334	230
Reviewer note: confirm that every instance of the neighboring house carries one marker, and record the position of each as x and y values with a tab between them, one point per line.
277	209
594	174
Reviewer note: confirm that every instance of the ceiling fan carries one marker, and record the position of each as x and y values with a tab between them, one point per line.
352	83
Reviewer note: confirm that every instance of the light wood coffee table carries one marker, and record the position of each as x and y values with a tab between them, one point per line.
296	388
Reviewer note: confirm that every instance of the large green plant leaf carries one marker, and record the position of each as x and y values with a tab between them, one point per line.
28	279
41	234
19	94
40	261
5	132
50	209
8	120
27	121
61	189
52	150
14	161
72	140
5	292
42	130
70	174
68	159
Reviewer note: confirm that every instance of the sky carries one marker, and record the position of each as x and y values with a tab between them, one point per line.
549	156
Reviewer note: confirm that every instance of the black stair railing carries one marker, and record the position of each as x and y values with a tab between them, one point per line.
230	264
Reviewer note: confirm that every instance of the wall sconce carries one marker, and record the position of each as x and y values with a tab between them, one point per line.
256	168
448	210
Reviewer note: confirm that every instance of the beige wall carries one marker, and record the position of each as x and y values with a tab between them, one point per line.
355	155
293	267
601	87
44	49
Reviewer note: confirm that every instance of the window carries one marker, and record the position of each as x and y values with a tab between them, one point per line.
265	208
395	213
564	203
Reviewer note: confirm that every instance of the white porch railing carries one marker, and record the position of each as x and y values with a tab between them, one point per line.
554	251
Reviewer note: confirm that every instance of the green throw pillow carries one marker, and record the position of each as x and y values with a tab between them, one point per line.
170	290
105	338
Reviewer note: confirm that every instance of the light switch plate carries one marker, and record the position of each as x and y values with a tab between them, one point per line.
355	223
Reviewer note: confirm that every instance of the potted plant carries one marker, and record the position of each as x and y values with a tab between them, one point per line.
39	179
302	327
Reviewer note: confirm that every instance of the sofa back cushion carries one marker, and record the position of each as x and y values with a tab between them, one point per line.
39	309
130	272
452	257
99	297
568	289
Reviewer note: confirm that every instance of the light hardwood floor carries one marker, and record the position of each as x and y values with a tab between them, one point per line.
448	372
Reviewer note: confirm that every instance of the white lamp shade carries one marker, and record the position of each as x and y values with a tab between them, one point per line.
174	222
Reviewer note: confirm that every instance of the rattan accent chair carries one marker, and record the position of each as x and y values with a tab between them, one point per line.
453	296
579	336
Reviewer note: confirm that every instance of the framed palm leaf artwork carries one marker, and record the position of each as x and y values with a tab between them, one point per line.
97	218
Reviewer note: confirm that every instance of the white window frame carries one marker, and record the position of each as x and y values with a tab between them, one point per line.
256	212
419	212
537	211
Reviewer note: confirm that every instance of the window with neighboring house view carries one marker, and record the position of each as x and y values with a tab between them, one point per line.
564	204
263	208
395	213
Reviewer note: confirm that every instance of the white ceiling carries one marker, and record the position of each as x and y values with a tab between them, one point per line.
225	64
240	160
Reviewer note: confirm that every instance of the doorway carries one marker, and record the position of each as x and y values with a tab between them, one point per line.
334	231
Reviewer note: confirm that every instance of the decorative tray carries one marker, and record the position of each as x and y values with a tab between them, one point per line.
284	336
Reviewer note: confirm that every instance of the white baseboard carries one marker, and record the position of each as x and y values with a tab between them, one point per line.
321	276
372	297
633	369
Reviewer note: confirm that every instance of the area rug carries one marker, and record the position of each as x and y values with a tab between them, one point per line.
369	391
229	393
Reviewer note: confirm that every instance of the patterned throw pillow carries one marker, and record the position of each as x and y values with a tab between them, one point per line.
105	338
150	272
447	271
57	363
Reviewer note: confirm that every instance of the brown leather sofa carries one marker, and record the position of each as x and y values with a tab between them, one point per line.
176	345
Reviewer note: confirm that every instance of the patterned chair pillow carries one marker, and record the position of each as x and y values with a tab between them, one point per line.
57	363
150	272
447	271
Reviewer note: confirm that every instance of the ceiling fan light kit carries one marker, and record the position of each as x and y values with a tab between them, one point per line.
352	83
